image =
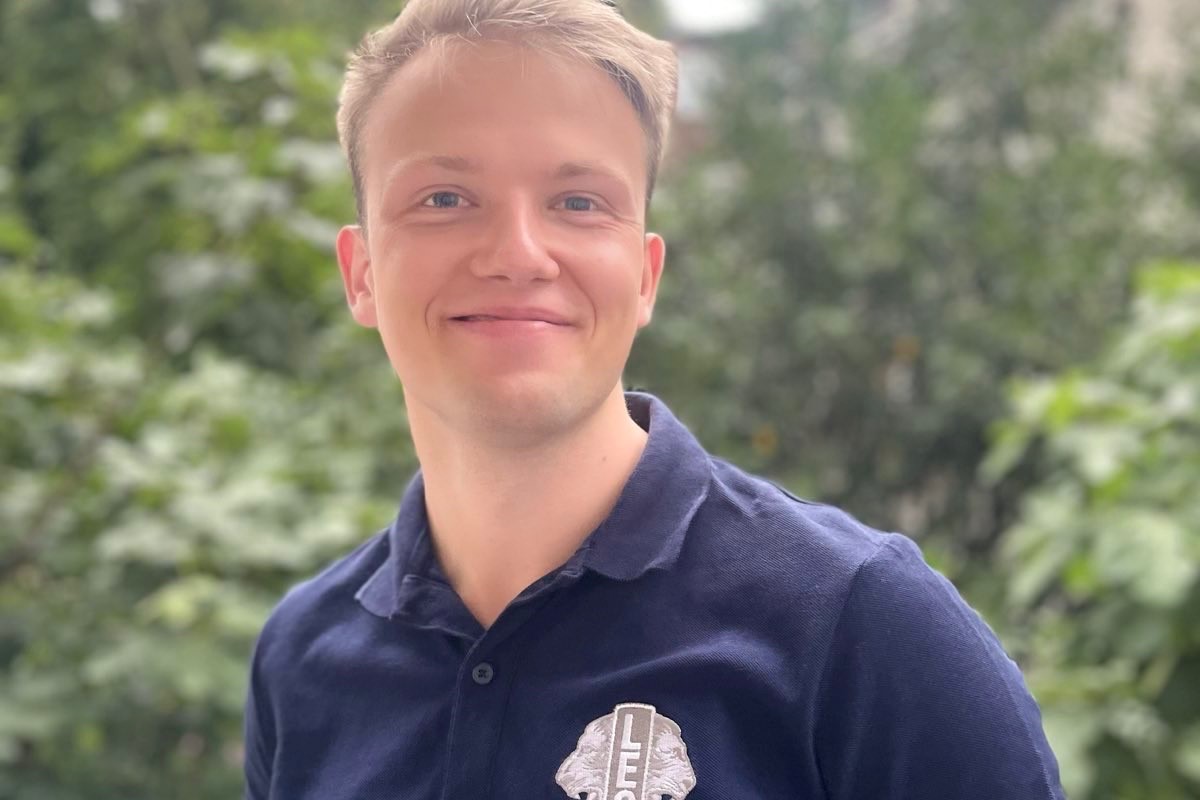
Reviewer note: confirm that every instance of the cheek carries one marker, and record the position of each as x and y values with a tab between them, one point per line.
615	285
397	302
406	281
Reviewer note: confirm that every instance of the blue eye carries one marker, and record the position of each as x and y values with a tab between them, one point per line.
443	200
577	203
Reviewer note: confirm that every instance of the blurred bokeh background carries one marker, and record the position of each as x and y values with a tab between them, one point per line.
932	260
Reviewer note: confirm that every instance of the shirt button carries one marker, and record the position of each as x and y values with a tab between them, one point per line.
483	673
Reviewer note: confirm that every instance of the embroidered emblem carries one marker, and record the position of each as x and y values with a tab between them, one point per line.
634	753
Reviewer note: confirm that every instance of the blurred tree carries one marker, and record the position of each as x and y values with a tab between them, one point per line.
180	445
148	520
1105	557
884	224
184	158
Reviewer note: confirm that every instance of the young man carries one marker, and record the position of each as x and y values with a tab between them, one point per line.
575	600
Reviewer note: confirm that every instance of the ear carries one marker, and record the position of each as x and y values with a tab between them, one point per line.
354	261
654	255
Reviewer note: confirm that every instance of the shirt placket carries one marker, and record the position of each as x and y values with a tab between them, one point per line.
482	690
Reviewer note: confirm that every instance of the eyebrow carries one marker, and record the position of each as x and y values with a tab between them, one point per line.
452	163
579	169
566	170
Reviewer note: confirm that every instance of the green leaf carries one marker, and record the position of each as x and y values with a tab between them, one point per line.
1148	552
1071	731
1187	753
15	237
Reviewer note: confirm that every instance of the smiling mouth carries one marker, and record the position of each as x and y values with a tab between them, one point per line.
489	318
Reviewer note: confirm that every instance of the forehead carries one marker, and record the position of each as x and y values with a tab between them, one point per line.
499	104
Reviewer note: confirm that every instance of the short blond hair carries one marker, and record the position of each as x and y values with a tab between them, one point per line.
592	31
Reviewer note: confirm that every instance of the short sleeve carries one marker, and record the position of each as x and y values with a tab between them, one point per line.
918	698
259	731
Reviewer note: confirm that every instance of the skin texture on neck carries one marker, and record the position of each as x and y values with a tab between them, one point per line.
502	518
503	181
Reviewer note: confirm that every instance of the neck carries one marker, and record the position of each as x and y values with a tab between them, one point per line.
501	518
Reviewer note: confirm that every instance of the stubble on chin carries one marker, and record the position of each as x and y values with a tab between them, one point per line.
526	417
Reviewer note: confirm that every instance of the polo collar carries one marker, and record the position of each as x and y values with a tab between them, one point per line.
644	531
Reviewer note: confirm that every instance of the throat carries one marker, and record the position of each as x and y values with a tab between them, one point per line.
499	522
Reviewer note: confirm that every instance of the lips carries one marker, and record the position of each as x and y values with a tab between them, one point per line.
514	315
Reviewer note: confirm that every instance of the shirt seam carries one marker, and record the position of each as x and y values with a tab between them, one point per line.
819	709
257	698
1008	693
1008	689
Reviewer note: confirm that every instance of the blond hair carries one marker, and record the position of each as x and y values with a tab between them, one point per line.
592	31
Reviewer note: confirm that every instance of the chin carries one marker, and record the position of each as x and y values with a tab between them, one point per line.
528	411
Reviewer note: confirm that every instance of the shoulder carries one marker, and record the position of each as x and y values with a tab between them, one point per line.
804	544
912	670
318	603
911	693
871	588
780	567
897	593
902	620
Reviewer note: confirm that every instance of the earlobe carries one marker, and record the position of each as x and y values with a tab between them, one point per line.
653	258
354	262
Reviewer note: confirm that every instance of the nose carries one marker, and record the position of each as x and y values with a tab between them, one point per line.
513	246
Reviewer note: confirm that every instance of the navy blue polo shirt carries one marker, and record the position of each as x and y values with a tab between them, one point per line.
714	638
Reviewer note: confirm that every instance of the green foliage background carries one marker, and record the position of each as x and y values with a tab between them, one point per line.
910	276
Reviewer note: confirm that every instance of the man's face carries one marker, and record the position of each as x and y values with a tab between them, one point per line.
506	265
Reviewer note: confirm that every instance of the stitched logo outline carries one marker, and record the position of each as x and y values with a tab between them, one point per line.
634	753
